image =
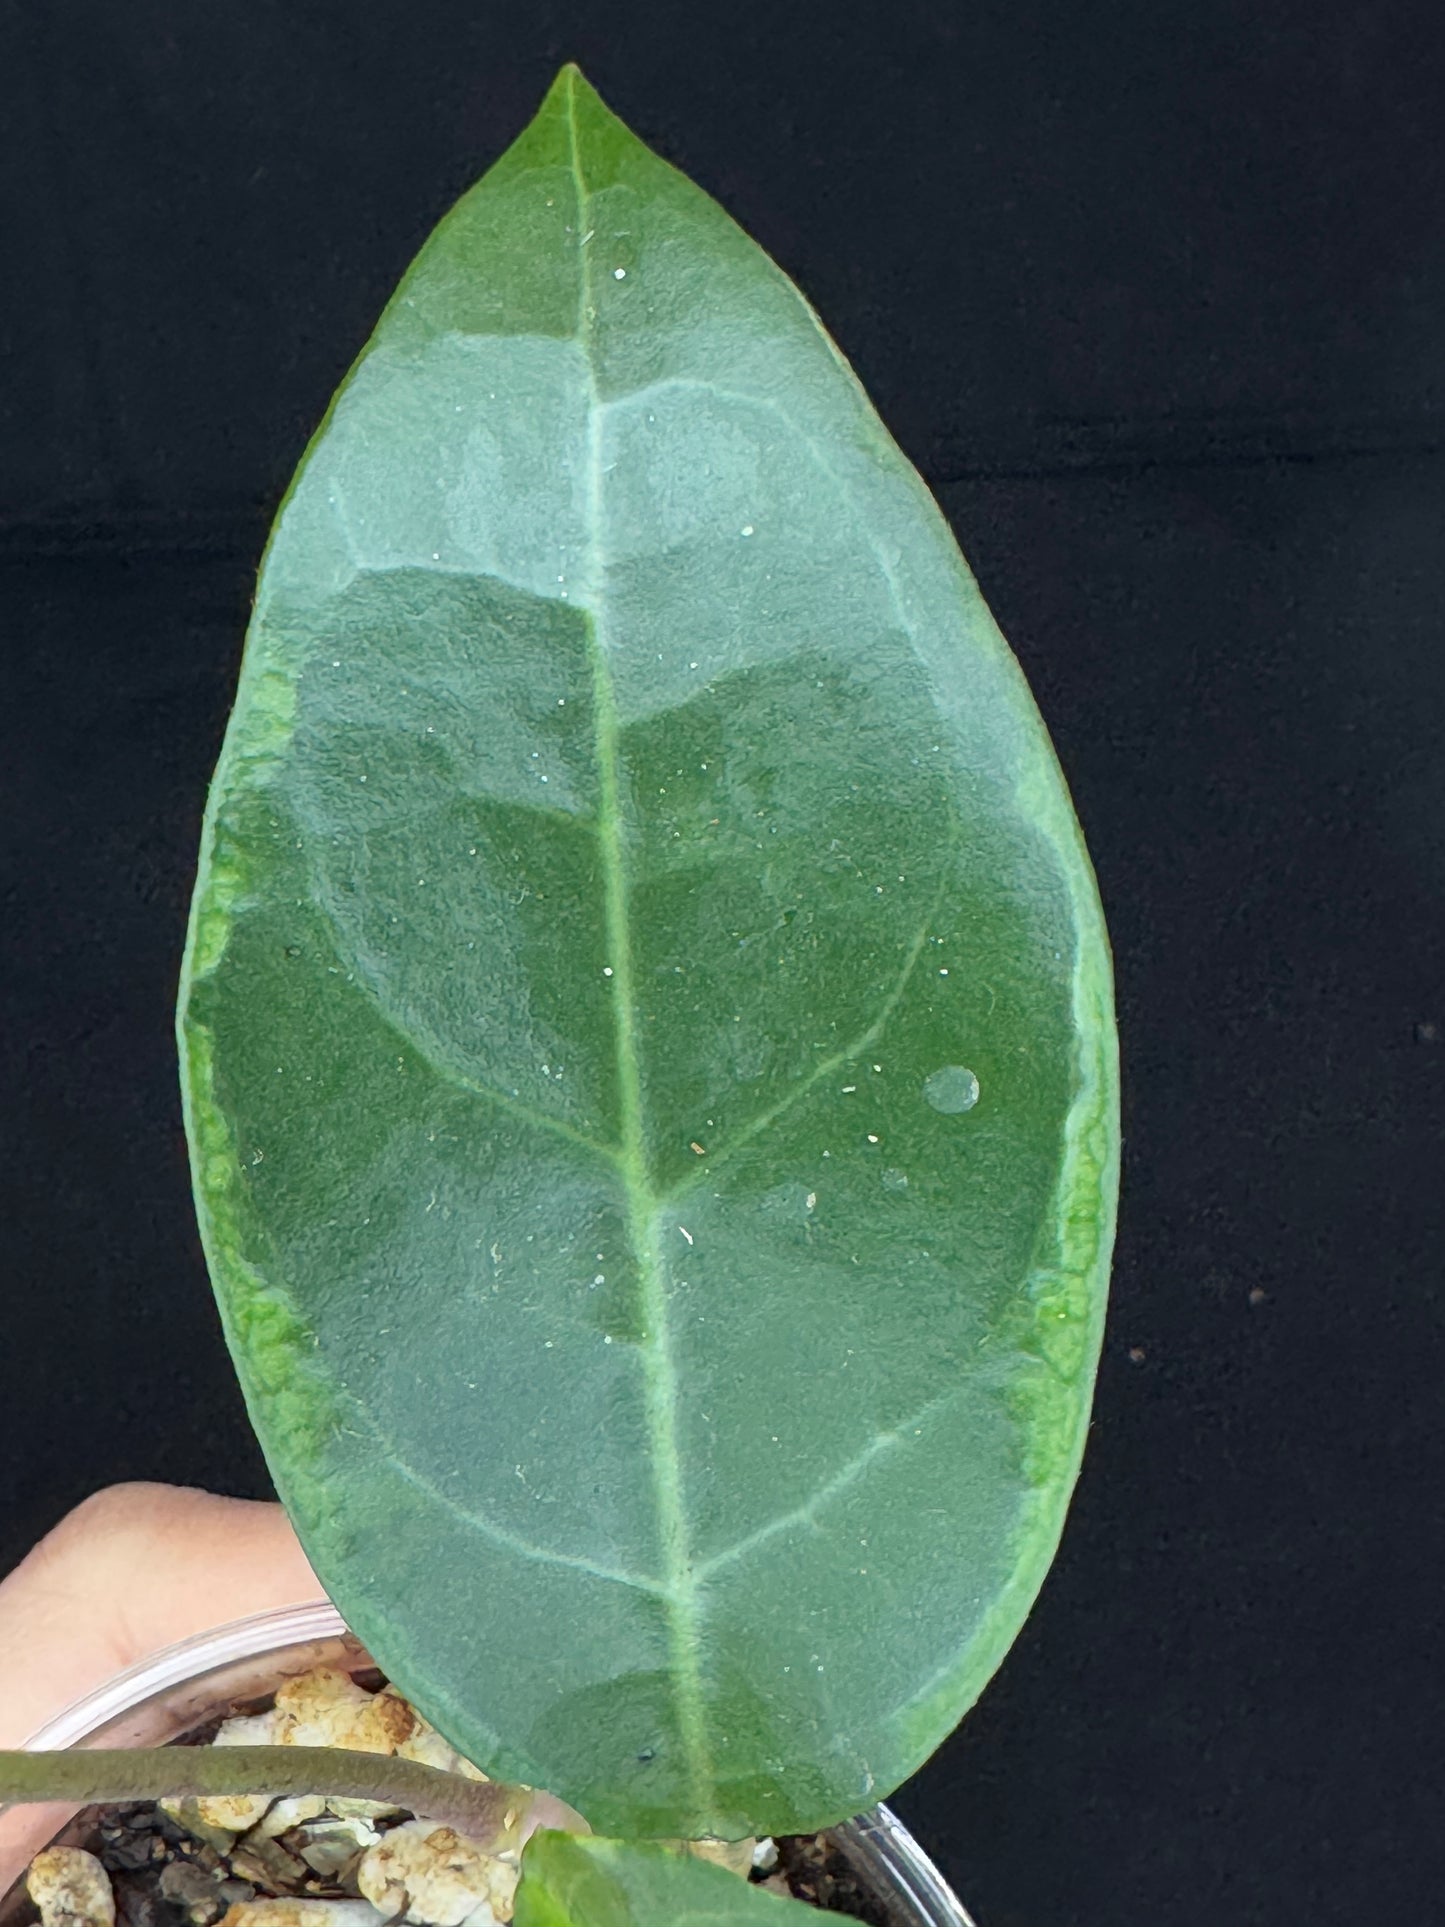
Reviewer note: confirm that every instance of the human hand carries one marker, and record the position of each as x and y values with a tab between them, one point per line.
130	1571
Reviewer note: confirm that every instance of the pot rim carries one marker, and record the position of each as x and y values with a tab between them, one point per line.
877	1841
238	1639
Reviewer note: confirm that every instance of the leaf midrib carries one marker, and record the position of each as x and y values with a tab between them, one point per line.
680	1600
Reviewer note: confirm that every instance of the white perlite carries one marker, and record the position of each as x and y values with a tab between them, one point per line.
325	1707
71	1889
302	1913
418	1872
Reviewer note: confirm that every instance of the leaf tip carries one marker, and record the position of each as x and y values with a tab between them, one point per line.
574	98
571	89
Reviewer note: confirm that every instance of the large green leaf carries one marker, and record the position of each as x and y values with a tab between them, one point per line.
647	1028
574	1880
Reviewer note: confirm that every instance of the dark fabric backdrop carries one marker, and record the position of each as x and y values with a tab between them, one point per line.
1154	296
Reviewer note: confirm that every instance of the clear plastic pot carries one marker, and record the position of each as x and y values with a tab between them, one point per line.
170	1695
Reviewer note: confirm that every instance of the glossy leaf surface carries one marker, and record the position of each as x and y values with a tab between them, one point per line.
647	1028
574	1880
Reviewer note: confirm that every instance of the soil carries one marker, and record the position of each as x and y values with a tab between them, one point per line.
163	1876
817	1872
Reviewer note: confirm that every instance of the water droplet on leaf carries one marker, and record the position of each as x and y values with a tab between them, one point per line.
951	1090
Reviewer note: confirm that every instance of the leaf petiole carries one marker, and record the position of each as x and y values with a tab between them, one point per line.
490	1812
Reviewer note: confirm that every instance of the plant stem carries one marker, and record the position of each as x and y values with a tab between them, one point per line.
490	1812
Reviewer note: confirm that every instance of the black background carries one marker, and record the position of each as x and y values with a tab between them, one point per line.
1154	296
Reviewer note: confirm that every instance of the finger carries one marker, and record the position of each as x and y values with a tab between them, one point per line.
129	1572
